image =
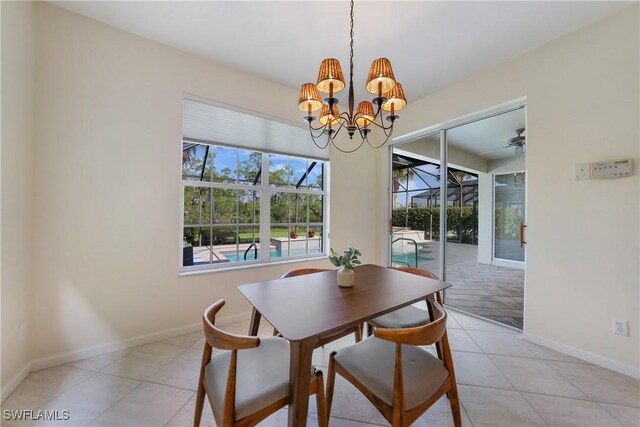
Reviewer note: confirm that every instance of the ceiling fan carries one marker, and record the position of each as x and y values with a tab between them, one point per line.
518	142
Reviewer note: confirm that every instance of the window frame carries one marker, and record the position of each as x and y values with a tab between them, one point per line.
265	190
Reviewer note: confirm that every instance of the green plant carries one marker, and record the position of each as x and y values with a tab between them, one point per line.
348	259
461	222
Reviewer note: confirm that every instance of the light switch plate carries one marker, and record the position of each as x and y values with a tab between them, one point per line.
583	171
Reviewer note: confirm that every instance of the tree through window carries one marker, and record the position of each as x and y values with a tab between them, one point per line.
227	191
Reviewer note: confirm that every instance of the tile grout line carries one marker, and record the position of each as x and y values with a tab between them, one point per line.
534	409
509	381
612	414
588	398
154	373
115	403
180	409
568	380
61	392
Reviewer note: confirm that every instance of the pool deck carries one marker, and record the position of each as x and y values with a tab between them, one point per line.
496	293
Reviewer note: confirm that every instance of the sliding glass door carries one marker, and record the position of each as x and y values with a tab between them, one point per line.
464	222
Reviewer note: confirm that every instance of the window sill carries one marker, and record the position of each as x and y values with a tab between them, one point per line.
242	266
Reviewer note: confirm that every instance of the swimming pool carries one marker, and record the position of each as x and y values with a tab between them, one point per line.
234	256
409	258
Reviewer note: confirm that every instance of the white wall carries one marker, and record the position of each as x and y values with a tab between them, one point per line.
583	247
107	184
18	75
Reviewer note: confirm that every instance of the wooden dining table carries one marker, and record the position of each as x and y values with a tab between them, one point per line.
304	309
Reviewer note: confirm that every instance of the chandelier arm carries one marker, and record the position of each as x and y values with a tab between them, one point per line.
313	138
348	118
342	122
321	128
381	125
384	142
380	114
346	151
317	134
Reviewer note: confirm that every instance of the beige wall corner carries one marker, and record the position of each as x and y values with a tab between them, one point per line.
17	150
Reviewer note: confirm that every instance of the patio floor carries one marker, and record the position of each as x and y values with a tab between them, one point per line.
496	293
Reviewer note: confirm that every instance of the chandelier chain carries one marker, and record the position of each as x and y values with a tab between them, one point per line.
351	46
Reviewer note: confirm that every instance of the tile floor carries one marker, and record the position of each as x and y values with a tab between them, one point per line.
503	381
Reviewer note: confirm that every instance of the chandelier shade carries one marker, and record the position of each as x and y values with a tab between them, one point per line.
365	114
395	99
309	99
330	72
381	78
329	117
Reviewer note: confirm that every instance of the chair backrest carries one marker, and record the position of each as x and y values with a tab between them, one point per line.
417	271
223	340
220	339
303	271
427	334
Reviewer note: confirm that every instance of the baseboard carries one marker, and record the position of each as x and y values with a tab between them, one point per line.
14	382
484	319
596	359
97	350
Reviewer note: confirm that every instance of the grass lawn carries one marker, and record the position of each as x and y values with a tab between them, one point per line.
248	236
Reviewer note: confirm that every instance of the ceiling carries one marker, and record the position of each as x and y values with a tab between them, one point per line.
430	44
488	137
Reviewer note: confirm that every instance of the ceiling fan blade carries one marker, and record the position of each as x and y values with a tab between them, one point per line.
493	151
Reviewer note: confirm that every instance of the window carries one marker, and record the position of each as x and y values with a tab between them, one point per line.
236	199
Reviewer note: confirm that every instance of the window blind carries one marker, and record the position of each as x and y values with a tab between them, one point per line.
208	123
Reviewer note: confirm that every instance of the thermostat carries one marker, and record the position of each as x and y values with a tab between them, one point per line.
612	169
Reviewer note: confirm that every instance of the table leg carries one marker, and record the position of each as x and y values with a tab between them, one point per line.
299	378
254	324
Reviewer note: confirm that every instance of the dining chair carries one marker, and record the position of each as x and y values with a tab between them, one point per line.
410	316
357	330
251	381
401	379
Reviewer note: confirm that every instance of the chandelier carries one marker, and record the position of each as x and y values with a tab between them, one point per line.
389	98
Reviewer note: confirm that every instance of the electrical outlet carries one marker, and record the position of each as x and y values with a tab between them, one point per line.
620	327
23	332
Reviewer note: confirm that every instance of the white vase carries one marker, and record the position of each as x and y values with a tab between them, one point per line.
346	277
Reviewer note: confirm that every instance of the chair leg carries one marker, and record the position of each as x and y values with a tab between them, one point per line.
455	405
432	318
321	402
199	404
359	332
331	379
